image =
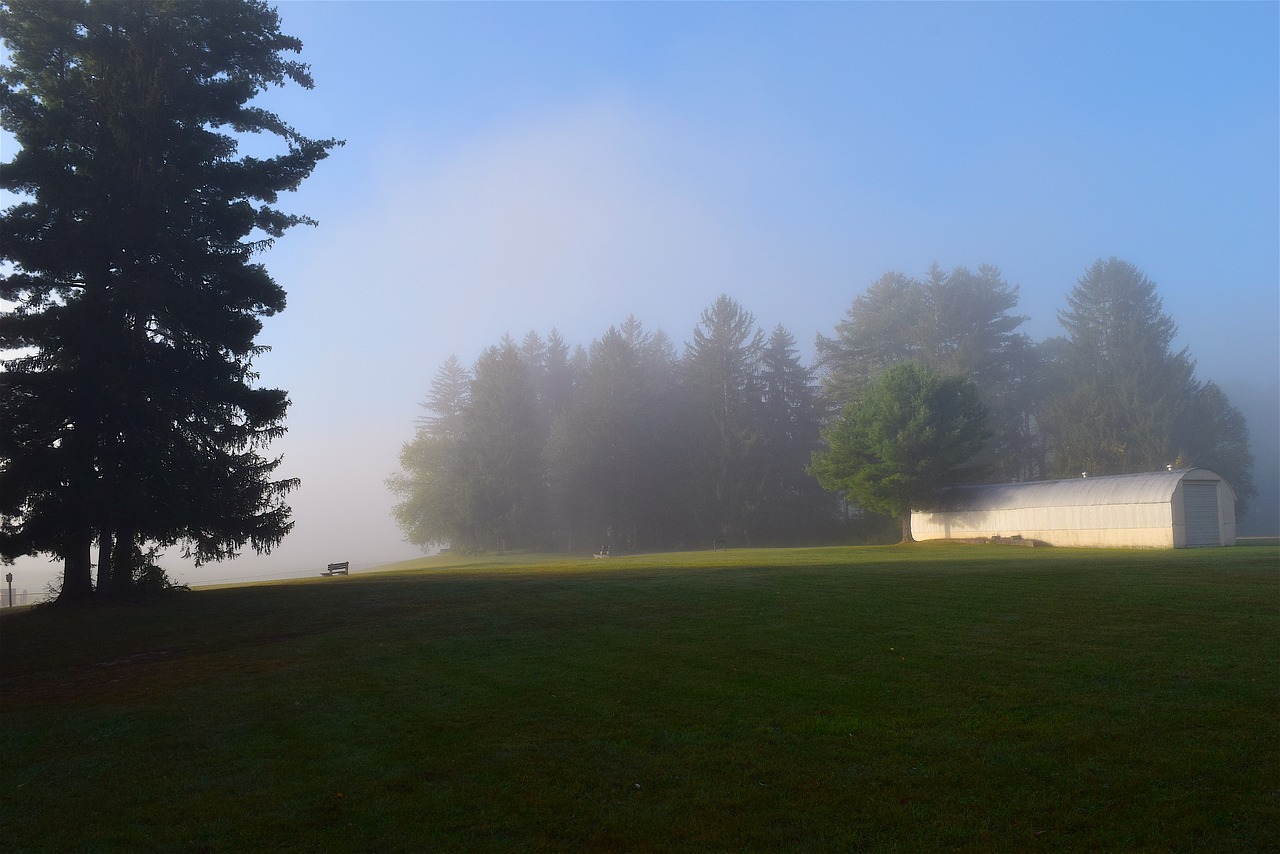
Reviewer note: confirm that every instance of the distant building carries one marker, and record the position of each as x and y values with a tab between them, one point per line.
1166	509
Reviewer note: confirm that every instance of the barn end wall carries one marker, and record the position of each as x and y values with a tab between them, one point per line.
1226	513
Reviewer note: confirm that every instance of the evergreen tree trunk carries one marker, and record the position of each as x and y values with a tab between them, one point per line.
105	542
907	537
122	566
77	571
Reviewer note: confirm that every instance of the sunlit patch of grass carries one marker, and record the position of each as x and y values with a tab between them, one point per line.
878	698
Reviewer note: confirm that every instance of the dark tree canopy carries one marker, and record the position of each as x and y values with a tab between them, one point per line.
1120	388
500	451
914	432
959	322
1123	400
791	507
128	391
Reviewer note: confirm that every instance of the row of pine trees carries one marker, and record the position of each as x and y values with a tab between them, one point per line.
633	444
622	443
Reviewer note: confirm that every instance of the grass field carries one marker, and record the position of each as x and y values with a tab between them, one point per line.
880	698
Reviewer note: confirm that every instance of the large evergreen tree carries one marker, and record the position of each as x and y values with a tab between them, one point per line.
1124	401
1120	389
128	396
450	395
721	371
500	453
793	507
433	494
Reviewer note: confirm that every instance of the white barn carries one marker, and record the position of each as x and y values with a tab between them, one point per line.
1164	509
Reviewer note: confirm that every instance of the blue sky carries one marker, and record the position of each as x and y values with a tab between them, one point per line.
511	167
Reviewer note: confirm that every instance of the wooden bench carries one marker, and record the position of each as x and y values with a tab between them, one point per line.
338	569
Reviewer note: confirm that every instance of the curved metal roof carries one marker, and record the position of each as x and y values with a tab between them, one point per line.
1144	488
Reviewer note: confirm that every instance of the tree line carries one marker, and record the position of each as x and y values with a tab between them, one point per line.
631	443
623	442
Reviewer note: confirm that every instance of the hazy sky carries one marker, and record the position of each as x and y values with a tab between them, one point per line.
511	167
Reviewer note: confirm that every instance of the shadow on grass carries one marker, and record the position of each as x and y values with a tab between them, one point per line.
884	698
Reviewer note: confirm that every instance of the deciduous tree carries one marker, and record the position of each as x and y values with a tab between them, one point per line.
913	432
960	322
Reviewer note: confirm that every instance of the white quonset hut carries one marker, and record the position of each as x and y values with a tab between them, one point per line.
1163	509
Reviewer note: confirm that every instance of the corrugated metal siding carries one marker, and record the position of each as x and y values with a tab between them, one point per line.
1145	488
1146	526
1200	503
1139	510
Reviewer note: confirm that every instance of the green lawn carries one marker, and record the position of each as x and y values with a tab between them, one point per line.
879	698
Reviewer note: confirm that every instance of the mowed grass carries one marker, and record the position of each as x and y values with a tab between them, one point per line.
820	699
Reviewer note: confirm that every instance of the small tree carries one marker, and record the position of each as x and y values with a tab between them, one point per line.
914	432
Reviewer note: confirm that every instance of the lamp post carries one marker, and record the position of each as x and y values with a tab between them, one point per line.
8	576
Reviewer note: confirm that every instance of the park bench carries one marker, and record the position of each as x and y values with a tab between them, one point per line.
337	568
604	552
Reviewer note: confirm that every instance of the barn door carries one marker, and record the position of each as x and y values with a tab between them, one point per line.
1200	504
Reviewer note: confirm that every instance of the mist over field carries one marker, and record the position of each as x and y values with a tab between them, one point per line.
1260	405
785	156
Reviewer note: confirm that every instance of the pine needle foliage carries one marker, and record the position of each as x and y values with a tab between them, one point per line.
128	390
